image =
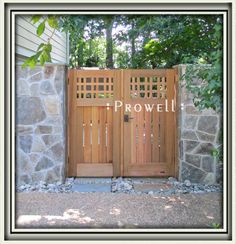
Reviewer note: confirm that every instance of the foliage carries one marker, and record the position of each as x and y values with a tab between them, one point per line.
209	93
145	41
43	53
84	31
216	225
135	41
196	40
181	39
193	40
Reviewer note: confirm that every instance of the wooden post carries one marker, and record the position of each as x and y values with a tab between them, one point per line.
117	125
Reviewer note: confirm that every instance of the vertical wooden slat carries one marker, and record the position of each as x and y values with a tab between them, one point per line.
169	123
126	140
146	90
162	132
102	135
176	122
163	87
105	84
74	126
150	87
95	87
87	135
71	121
135	87
159	86
110	86
148	151
140	144
92	87
122	130
155	144
94	134
133	136
138	86
117	131
79	135
109	135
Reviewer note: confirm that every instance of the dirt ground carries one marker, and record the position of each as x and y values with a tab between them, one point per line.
109	210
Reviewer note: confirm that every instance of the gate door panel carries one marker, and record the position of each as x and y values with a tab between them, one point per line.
90	130
105	142
150	136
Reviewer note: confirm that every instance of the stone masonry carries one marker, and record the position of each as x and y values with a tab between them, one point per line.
198	133
41	136
40	123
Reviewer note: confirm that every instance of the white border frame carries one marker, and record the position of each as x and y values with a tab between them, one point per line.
13	124
225	141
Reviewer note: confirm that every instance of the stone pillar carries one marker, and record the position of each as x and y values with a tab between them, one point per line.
40	123
198	133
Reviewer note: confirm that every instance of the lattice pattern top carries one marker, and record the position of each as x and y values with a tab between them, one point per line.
94	87
148	87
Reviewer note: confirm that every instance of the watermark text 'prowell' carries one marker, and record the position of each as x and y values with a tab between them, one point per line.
167	106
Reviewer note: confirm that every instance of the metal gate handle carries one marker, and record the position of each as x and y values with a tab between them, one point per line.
127	118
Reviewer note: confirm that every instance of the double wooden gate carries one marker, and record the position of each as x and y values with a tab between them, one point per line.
122	123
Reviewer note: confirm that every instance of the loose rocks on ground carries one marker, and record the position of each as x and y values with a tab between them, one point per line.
126	185
122	185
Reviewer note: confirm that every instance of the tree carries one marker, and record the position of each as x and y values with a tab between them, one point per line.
136	41
108	20
145	41
182	39
210	93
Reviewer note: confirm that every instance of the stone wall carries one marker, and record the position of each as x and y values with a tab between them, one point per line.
198	135
40	123
41	136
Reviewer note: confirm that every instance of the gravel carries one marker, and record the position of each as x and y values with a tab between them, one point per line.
157	186
111	210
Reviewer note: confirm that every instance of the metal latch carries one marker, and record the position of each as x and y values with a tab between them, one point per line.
127	118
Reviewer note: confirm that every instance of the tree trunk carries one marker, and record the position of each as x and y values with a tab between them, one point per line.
81	54
90	48
80	57
109	48
132	46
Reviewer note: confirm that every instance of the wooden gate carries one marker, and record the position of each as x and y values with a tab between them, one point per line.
150	133
122	123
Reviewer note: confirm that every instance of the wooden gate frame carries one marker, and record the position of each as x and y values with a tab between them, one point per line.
118	123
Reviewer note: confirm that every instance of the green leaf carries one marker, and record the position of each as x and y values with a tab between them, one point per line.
45	56
41	28
25	64
38	54
40	46
214	152
42	60
35	18
48	47
216	225
52	21
30	62
49	57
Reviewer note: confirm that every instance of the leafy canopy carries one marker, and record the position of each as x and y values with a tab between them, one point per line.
144	41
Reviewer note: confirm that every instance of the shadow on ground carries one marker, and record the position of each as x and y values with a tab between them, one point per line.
109	210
